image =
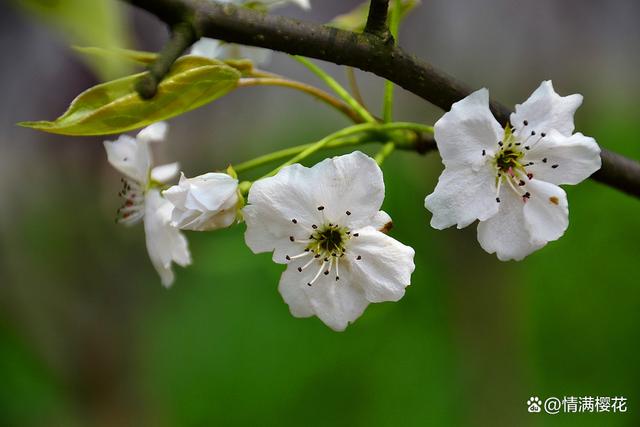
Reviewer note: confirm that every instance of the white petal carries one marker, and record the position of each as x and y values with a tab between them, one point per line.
545	110
506	233
559	159
351	183
466	130
165	243
156	132
208	48
385	267
462	196
130	157
165	173
546	212
336	303
382	221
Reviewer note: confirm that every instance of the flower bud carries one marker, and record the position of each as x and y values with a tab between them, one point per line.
206	202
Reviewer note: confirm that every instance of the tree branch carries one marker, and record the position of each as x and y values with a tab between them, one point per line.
365	51
377	19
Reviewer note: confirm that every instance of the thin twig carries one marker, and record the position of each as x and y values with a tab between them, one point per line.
311	90
377	19
183	35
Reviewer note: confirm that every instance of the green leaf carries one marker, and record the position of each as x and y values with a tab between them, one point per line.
136	56
82	22
115	107
356	19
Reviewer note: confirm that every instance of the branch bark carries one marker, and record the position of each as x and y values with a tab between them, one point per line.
366	51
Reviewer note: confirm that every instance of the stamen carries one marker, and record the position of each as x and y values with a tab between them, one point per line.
306	265
337	269
320	208
358	258
348	213
554	166
317	274
302	255
295	221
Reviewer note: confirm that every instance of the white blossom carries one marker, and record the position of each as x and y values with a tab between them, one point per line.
508	178
325	223
215	49
206	202
143	201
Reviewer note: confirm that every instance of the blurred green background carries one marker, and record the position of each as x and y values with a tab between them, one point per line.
88	337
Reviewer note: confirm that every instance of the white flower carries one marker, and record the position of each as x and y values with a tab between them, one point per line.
325	222
207	202
215	49
143	202
508	178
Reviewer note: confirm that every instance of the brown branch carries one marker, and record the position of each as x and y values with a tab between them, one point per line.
365	51
377	19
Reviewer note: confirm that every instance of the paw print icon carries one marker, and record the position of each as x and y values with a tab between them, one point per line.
534	404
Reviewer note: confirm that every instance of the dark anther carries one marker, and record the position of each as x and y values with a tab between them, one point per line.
530	175
526	147
498	199
555	166
295	221
326	272
320	208
300	269
337	278
317	256
287	257
500	143
527	195
314	226
533	132
308	284
359	258
543	134
521	183
484	152
326	259
526	123
348	213
544	160
292	238
356	235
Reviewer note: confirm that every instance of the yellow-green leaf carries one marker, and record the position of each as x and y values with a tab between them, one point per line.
115	107
136	56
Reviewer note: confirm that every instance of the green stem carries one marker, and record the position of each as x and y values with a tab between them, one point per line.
343	138
337	88
292	151
384	152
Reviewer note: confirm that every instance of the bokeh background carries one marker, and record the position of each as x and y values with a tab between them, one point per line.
88	337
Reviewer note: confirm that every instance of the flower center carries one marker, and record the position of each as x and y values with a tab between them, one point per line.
326	245
329	240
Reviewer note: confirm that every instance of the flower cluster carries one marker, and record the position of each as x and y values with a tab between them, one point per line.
325	222
508	178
